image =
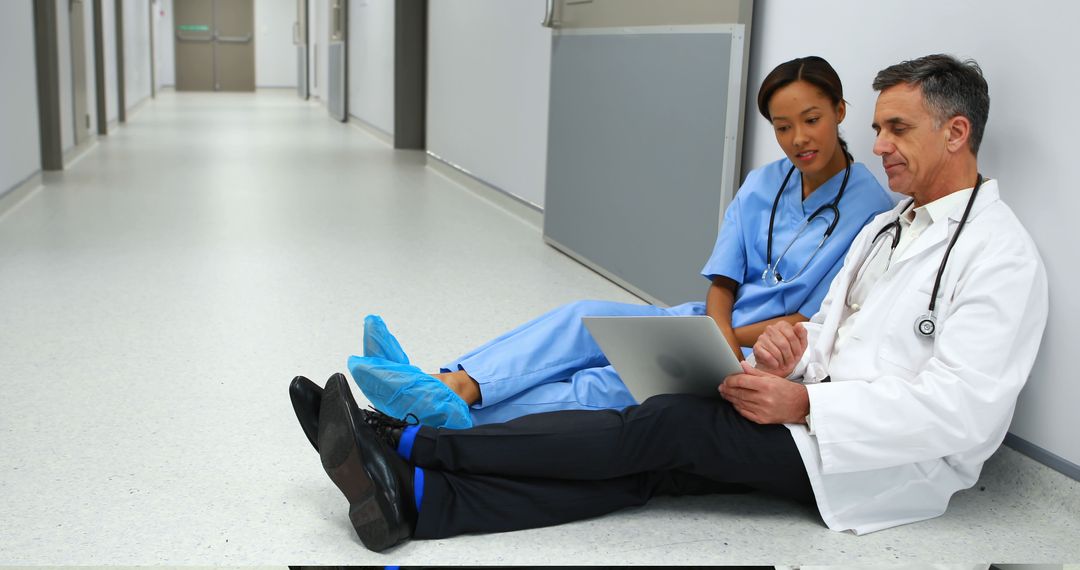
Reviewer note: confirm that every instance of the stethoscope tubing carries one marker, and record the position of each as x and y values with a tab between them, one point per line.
931	316
834	206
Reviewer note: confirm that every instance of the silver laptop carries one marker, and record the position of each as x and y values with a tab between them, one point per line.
665	355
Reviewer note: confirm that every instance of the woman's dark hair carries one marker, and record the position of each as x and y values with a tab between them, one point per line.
811	69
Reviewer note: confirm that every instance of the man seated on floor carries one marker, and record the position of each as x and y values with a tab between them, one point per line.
905	380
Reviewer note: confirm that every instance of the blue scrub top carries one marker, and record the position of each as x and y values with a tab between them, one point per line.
740	249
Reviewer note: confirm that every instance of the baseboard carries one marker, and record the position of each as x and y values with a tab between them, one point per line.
599	270
12	197
372	130
76	153
135	108
527	211
1051	460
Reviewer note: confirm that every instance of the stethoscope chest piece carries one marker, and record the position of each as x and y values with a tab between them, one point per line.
926	325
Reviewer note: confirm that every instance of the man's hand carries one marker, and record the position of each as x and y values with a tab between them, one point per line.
764	398
780	347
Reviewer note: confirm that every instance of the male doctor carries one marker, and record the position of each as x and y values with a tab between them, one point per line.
924	357
905	380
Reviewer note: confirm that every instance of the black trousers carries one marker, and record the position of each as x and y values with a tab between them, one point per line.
556	467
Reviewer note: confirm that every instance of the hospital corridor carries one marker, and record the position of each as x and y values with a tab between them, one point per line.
190	251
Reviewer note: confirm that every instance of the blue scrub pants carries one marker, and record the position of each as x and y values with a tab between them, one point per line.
552	363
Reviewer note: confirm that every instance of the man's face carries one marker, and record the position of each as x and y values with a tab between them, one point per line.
911	145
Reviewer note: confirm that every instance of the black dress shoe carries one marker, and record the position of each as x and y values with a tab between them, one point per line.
388	429
376	482
306	397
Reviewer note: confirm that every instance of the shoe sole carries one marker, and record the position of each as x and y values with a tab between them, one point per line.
342	461
297	389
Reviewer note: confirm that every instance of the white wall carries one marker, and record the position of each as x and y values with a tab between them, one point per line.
136	51
318	43
165	38
489	63
1028	55
275	54
371	62
66	77
20	145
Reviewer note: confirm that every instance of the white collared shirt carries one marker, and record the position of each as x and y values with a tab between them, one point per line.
913	221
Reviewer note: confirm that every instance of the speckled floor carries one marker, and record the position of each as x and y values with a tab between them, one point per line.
158	296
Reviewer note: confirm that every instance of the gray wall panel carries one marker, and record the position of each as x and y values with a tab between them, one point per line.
636	145
336	102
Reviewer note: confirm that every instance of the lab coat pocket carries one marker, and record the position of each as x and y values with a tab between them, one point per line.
903	346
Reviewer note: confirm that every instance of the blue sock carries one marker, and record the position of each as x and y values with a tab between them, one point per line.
404	446
418	486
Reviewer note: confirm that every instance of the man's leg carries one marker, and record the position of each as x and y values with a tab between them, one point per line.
552	468
458	503
699	435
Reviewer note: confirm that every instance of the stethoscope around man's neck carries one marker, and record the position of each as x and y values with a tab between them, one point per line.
771	275
925	325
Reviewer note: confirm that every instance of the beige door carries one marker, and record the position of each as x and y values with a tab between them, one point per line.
215	45
194	21
77	12
234	62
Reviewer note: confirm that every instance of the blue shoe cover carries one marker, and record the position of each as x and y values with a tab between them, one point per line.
378	341
399	389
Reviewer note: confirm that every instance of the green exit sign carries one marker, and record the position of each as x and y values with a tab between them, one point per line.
195	28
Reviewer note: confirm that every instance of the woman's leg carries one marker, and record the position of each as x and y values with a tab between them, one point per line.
550	348
589	389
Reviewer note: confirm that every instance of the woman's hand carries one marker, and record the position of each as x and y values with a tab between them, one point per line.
779	349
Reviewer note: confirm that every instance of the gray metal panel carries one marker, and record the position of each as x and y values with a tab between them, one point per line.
121	90
410	73
336	89
302	72
48	84
635	155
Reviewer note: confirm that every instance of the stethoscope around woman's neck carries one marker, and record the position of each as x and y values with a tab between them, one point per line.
771	275
925	325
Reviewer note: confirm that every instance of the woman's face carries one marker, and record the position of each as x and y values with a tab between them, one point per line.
805	122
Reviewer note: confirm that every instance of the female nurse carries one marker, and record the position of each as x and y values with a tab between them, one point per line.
774	259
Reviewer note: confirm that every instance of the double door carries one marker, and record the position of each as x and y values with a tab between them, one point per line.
215	45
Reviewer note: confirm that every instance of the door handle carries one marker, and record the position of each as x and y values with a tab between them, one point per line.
233	39
185	38
549	15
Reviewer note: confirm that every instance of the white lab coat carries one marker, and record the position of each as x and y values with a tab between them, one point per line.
909	420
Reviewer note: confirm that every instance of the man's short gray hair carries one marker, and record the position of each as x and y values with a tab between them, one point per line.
949	86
